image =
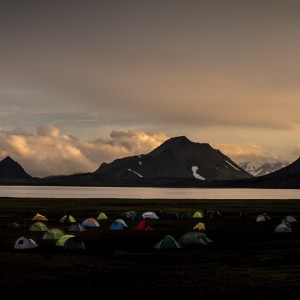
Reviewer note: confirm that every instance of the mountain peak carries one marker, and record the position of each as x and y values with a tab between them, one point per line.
10	169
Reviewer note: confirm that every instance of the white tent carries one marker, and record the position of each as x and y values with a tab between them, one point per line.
150	215
25	243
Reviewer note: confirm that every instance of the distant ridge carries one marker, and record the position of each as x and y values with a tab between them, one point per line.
10	169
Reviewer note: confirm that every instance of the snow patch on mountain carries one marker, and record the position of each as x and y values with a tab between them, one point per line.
232	165
195	174
138	174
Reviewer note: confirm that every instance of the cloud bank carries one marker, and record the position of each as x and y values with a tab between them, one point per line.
50	152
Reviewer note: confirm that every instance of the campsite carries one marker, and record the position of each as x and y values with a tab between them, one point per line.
194	248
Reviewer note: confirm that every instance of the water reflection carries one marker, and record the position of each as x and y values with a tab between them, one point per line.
145	193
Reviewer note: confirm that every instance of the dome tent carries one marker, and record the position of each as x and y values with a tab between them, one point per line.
74	243
53	234
38	226
90	222
61	241
25	243
168	242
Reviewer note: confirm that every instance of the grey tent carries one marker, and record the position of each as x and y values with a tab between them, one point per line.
194	237
76	227
168	242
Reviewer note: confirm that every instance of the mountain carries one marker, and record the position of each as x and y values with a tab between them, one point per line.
10	169
260	169
177	158
286	177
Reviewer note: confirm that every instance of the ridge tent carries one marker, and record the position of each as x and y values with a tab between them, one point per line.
25	243
102	216
194	237
150	215
53	234
168	242
76	227
39	217
143	225
74	243
199	226
38	226
67	219
90	222
61	241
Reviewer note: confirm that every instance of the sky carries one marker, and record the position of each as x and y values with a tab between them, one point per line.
86	82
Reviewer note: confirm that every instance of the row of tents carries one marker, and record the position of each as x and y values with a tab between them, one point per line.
72	242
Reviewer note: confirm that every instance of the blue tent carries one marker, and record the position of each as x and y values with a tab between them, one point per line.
116	226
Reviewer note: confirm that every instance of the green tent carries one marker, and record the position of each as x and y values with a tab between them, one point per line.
167	242
68	219
53	234
102	216
61	241
38	226
198	215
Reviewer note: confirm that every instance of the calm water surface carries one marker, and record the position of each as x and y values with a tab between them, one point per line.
145	193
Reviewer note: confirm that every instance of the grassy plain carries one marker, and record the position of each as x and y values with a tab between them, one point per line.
246	260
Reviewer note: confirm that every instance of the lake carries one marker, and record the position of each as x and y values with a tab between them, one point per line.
145	192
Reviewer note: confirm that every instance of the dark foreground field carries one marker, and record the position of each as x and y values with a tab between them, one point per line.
246	259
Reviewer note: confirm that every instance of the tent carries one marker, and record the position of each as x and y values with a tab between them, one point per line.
150	215
38	226
102	216
199	226
290	219
122	222
14	225
74	243
263	217
61	241
194	237
128	214
282	227
90	222
198	215
53	234
168	242
116	225
137	216
76	227
25	243
39	217
68	219
143	225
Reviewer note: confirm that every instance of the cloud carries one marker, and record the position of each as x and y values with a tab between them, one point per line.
49	152
249	153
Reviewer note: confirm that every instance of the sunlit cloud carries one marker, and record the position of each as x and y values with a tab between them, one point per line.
250	153
49	152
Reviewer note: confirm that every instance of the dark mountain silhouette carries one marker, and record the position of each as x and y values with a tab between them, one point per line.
10	169
178	158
